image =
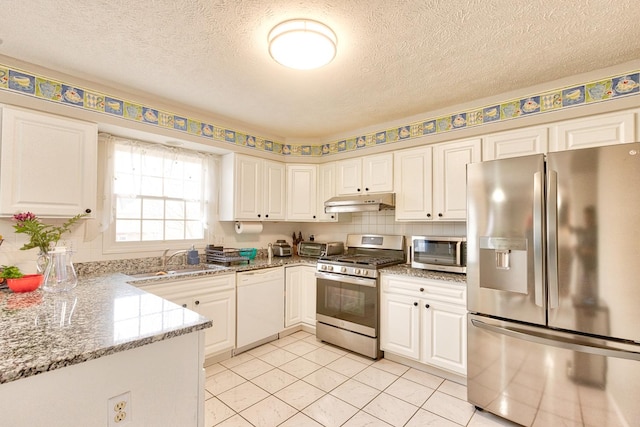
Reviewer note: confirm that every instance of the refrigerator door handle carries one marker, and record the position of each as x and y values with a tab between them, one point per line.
538	221
552	238
559	341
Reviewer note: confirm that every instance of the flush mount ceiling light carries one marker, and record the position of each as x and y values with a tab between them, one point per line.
302	44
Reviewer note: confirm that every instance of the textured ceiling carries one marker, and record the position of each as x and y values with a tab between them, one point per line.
395	58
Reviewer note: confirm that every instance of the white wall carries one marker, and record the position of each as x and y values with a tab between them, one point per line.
224	233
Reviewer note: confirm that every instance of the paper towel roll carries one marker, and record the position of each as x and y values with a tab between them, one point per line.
248	227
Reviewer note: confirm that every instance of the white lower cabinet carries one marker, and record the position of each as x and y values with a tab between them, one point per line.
214	297
300	295
424	320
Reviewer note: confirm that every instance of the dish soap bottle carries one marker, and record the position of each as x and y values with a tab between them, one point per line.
192	256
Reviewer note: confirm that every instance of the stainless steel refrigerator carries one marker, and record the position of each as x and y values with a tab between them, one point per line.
553	273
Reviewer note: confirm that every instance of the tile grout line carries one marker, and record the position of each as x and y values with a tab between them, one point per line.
355	358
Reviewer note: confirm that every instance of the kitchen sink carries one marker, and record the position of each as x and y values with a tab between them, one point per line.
176	272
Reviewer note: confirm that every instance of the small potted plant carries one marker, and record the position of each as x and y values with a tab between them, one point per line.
19	282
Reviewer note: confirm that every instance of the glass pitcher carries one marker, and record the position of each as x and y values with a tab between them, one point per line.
60	274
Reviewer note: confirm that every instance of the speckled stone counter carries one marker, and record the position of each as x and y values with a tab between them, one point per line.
407	270
210	269
42	331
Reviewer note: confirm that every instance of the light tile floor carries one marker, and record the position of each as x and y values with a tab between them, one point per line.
298	381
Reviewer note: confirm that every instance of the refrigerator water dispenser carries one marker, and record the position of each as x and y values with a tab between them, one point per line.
503	264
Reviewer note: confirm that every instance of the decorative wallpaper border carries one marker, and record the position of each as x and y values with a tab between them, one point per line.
42	87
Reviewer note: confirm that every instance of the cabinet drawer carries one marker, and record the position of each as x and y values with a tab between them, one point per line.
435	290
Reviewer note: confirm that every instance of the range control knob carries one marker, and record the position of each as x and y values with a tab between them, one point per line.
365	272
343	269
357	271
330	268
323	267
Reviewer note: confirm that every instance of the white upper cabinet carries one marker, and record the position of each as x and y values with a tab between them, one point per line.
369	174
48	164
326	190
450	162
302	198
521	142
273	190
252	189
413	184
606	129
430	182
349	177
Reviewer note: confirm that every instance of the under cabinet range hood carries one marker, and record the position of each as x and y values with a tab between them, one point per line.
361	203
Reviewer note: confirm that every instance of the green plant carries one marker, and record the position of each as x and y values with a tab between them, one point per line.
10	272
42	235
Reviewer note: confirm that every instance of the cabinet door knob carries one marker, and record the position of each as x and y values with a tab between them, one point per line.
314	217
197	302
358	190
366	189
184	305
440	215
87	211
266	216
426	306
428	215
332	216
259	215
415	304
421	289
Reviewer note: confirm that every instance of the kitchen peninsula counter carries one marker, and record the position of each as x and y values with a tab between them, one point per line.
42	331
114	342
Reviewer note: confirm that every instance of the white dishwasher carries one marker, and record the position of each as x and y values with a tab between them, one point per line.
260	306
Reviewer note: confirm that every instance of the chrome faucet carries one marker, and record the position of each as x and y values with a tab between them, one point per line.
166	259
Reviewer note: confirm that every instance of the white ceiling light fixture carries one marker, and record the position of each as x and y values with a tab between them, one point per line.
303	44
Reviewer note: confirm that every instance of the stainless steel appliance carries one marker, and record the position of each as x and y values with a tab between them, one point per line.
361	203
553	295
282	249
439	253
320	249
347	292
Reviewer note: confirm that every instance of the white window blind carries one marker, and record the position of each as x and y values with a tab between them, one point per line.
159	193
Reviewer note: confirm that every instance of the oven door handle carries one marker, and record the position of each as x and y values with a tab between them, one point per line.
372	283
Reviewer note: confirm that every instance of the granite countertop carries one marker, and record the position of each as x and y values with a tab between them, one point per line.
212	270
42	331
407	270
106	313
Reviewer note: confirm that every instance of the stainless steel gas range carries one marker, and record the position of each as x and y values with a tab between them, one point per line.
348	296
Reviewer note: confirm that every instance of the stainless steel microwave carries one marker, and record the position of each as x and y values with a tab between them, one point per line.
439	253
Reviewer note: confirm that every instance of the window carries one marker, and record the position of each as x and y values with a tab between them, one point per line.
158	194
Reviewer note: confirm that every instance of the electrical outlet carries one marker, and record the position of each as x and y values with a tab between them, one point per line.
119	410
